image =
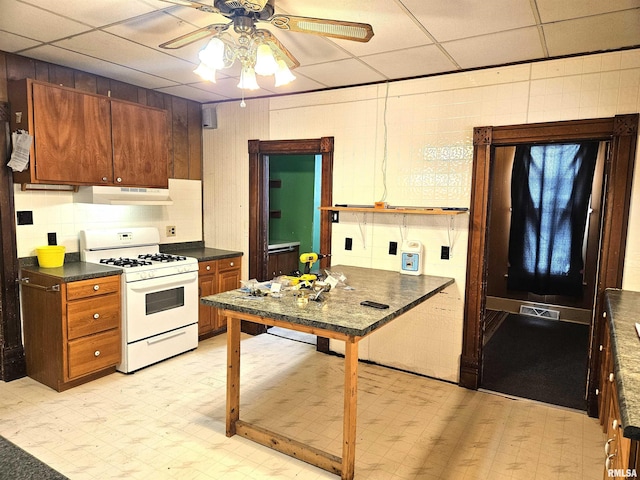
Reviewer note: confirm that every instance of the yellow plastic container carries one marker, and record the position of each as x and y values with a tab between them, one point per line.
51	256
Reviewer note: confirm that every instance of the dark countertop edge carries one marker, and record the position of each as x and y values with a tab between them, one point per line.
334	328
629	430
75	271
201	253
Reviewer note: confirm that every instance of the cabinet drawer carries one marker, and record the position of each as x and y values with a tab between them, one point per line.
207	267
229	263
92	315
93	353
93	287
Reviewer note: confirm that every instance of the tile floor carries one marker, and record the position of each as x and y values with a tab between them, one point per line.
167	422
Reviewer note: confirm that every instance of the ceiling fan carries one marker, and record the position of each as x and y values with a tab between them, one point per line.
245	14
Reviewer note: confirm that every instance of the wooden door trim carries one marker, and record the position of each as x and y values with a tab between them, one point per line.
621	131
259	194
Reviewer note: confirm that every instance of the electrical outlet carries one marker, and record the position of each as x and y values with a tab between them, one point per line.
52	238
171	231
25	217
393	248
348	243
444	253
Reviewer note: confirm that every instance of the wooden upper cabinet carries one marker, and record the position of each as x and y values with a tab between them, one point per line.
140	145
87	139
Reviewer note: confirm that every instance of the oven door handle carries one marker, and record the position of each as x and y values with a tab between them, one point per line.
162	282
161	338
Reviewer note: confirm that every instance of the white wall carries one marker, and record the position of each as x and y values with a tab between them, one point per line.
428	163
55	211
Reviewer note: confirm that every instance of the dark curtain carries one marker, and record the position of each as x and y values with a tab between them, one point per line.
550	191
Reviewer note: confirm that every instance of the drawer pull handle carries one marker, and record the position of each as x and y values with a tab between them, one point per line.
607	446
601	348
208	267
96	353
25	282
611	377
96	287
231	264
609	461
614	424
597	391
96	316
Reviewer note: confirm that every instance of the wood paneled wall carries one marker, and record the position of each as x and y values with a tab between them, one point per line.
184	119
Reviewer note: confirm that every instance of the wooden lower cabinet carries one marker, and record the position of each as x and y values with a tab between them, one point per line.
216	276
283	262
621	453
72	331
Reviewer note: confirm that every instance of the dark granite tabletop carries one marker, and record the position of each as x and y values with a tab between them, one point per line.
74	271
203	254
340	311
623	311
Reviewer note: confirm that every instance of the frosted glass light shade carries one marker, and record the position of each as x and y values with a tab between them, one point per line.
248	79
283	74
213	54
265	63
206	73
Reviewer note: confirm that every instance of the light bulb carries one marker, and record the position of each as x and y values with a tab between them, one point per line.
206	73
248	79
283	74
213	54
265	63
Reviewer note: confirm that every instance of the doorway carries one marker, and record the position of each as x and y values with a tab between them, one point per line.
259	153
621	131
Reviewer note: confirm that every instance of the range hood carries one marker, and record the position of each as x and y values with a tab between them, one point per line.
123	195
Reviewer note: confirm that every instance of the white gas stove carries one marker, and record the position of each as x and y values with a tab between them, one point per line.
159	293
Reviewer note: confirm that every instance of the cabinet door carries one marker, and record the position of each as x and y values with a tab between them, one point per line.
228	279
206	313
140	145
72	136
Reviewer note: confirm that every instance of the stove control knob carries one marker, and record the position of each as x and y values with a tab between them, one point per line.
151	274
96	316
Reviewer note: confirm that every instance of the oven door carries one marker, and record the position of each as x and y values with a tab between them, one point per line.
159	305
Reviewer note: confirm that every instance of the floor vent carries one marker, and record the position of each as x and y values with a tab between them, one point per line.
539	312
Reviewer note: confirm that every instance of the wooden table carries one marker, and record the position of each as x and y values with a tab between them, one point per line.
340	317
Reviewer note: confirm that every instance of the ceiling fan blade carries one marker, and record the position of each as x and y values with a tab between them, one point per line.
279	48
196	5
189	38
253	5
359	32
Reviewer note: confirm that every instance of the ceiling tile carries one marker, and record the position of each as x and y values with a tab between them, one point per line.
487	50
95	12
447	20
28	21
342	72
410	62
192	92
14	43
600	32
60	56
553	10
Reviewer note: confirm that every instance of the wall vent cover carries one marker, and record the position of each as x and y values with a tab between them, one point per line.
539	312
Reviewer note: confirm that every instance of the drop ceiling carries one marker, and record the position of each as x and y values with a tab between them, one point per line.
119	39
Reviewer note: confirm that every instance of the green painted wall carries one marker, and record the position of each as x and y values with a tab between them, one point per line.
295	199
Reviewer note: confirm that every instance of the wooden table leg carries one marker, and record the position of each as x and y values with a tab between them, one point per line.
350	407
233	374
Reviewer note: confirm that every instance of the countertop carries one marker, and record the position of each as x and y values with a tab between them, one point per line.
340	311
74	271
623	311
203	254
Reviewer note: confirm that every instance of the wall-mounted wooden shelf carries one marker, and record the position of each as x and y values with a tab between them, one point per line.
398	210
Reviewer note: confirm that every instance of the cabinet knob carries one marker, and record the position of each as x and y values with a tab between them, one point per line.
104	179
611	377
614	424
601	347
208	267
607	446
597	391
604	314
96	316
96	287
96	353
609	463
119	180
231	264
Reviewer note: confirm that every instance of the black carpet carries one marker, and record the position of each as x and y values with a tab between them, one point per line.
539	359
16	464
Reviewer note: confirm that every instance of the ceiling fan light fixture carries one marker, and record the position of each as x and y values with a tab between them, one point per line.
283	74
248	79
206	73
265	62
213	54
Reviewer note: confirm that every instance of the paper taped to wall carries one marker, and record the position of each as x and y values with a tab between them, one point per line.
21	141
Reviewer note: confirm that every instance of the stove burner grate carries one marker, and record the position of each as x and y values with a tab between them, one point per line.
162	257
125	262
